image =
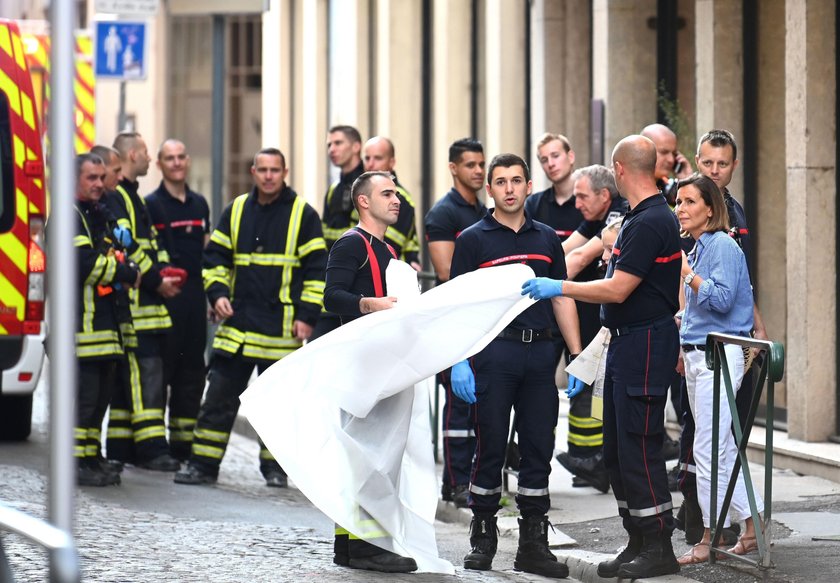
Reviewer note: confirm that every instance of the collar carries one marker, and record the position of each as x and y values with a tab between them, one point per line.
286	195
353	174
489	223
458	199
649	202
165	192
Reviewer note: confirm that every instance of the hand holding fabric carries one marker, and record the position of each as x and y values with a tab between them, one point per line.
542	288
463	381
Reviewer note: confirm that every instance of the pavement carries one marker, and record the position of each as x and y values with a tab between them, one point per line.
804	531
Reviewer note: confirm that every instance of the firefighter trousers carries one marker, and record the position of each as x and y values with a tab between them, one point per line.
227	380
458	435
95	380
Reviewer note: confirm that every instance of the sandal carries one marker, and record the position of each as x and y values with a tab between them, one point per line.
745	544
692	557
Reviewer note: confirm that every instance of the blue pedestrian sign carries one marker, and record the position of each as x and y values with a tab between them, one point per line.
121	50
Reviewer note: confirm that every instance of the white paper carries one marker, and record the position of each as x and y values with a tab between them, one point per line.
344	418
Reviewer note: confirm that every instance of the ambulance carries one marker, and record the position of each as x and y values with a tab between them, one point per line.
22	247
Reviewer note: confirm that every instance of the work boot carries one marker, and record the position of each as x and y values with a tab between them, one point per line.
484	538
446	492
88	476
162	463
533	555
693	521
100	464
367	556
609	569
192	475
276	479
591	469
654	560
341	550
460	495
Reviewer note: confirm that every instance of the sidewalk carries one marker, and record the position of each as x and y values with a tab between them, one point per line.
589	531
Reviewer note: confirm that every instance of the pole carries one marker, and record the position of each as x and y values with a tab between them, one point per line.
121	115
62	281
218	109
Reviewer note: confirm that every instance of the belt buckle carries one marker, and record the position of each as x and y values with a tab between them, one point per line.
527	336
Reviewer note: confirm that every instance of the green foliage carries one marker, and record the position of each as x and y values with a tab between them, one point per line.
678	120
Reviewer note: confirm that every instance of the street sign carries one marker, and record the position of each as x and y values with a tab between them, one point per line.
120	50
144	8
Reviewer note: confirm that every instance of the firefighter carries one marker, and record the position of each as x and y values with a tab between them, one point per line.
271	240
356	286
344	146
99	344
146	401
183	219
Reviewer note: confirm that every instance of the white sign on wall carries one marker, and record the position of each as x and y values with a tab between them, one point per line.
144	8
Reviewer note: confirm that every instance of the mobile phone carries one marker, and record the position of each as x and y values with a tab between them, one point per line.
678	167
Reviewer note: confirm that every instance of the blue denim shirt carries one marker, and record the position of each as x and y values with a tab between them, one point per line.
724	302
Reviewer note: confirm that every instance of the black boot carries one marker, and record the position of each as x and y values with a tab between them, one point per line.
693	521
590	468
533	555
655	559
484	538
609	569
364	555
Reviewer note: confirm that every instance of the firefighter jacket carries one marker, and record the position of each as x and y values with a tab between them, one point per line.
100	272
148	309
339	212
269	261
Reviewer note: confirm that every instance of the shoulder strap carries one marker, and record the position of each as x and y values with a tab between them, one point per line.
376	273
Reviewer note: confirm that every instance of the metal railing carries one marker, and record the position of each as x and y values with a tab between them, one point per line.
771	369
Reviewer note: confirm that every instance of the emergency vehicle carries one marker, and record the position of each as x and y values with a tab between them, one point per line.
22	247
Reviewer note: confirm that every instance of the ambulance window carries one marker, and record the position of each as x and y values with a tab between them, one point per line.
7	185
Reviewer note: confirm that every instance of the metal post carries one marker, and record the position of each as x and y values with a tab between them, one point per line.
121	115
218	105
62	286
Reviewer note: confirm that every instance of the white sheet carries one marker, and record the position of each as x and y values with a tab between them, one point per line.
344	418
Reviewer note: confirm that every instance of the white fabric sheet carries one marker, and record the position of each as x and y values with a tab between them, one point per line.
343	417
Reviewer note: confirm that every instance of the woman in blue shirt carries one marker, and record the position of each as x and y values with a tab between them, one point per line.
718	298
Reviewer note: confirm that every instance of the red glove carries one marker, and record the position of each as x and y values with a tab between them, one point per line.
176	272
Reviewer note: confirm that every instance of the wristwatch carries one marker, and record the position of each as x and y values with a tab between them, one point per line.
689	277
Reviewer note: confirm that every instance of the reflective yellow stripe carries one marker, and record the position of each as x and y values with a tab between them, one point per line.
395	236
265	259
134	382
208	451
316	244
6	40
149	433
99	350
211	435
120	433
221	239
10	88
147	415
585	422
586	440
120	415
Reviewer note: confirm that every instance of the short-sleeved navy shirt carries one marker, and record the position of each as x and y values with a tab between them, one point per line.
618	208
451	215
648	246
563	218
489	243
182	226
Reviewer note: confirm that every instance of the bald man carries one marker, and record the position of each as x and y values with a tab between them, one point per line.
640	298
670	163
378	155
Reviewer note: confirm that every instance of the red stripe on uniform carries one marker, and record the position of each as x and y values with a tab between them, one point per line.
187	223
563	233
517	259
670	258
616	251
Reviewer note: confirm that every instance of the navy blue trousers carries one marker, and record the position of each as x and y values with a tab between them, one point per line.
458	435
639	369
512	375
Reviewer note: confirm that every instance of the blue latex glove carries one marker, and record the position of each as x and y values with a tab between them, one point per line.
122	235
542	288
576	386
463	382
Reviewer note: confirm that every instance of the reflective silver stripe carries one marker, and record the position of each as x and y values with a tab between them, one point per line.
690	468
458	433
621	503
650	511
484	492
532	491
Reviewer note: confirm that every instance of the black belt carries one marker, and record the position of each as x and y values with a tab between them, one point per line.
641	326
526	336
690	347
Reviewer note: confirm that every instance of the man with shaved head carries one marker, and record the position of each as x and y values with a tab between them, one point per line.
378	156
182	217
669	161
639	298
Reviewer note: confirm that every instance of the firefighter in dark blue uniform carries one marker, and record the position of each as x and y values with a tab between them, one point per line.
457	210
182	217
640	298
515	371
344	146
355	286
264	277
